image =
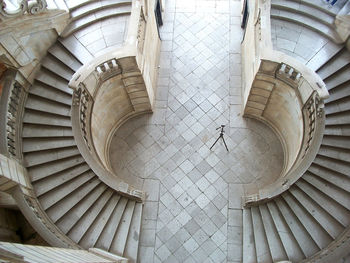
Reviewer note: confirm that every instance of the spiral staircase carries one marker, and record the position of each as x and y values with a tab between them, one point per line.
85	209
313	214
297	226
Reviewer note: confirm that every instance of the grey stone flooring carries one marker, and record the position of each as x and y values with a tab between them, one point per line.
193	209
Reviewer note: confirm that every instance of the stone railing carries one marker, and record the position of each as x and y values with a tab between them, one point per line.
286	95
11	111
7	8
109	95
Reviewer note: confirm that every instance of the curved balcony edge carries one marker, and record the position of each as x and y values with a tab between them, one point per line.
310	91
116	76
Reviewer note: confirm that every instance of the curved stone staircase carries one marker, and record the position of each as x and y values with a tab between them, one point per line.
84	208
315	211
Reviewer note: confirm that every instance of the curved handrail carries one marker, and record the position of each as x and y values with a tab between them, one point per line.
304	91
88	84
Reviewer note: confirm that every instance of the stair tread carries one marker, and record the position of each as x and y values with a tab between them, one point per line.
93	6
38	144
340	77
275	246
289	242
328	204
303	238
249	254
339	106
308	22
333	164
336	141
76	48
68	219
335	153
48	78
339	61
84	223
30	130
132	245
261	245
90	237
321	58
44	118
49	183
63	189
94	18
328	223
310	11
333	177
36	158
41	171
332	191
45	91
57	68
338	130
41	104
105	239
64	56
120	238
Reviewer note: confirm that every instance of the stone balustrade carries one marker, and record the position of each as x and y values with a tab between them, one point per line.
286	95
113	88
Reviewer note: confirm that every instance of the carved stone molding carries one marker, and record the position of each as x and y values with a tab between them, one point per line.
30	7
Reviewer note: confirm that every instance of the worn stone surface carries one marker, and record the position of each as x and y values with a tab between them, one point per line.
199	205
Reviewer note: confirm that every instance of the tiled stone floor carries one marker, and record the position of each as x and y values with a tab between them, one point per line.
193	209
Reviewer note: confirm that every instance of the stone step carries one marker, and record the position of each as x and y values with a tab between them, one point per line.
48	92
335	153
337	179
104	241
132	245
306	243
84	223
90	237
336	63
338	118
303	8
44	118
342	142
89	7
321	58
37	158
35	130
290	244
261	245
56	211
334	192
340	78
333	164
41	104
275	244
338	130
337	211
53	65
40	144
338	106
249	254
67	186
47	78
51	182
317	233
73	45
324	219
95	17
41	171
121	235
338	93
64	56
306	21
66	221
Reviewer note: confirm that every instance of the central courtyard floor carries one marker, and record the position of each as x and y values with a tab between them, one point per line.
193	207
